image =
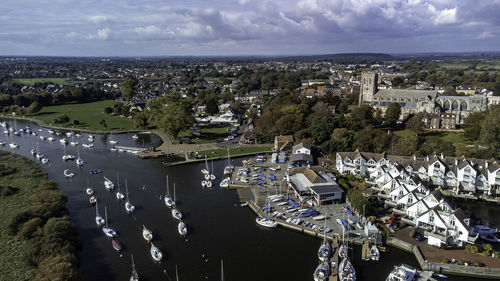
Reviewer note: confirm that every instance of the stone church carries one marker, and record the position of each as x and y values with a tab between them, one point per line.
415	101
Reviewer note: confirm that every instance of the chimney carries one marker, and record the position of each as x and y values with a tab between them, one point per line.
414	157
442	156
427	158
486	164
456	161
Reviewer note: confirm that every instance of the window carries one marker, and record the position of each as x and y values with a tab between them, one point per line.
431	217
467	170
452	221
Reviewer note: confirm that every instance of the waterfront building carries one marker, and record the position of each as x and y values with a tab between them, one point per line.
458	174
301	155
315	185
404	182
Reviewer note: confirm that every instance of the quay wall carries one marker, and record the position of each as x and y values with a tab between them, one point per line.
446	268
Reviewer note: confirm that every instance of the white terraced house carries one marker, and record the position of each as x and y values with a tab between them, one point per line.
403	182
461	175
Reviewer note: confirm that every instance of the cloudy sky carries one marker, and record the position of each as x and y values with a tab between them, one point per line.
246	27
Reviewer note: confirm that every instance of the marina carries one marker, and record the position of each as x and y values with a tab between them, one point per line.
208	239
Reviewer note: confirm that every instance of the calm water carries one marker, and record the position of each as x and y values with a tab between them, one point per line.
218	227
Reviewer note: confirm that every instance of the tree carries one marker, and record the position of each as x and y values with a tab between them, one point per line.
320	129
171	114
415	123
61	119
490	128
108	110
127	88
472	125
450	91
392	113
212	107
397	81
496	89
103	123
34	107
361	117
140	120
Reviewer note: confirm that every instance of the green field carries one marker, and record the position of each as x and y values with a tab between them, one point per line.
234	151
88	114
32	81
208	134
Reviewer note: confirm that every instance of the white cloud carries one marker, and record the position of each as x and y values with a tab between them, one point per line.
102	34
446	16
485	35
99	18
196	30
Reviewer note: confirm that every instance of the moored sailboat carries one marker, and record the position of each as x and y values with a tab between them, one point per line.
182	228
98	219
135	275
346	270
107	230
168	200
156	253
108	184
374	253
147	234
129	208
322	272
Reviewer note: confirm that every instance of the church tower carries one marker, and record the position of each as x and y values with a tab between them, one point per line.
368	87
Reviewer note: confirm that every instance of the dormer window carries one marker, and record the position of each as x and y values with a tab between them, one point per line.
437	166
467	169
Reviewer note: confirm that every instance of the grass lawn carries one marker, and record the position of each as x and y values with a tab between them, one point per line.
32	81
89	115
208	134
233	151
12	248
453	137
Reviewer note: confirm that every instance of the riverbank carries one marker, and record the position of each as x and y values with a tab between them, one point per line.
83	130
37	240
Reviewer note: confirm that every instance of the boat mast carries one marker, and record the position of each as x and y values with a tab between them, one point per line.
106	215
176	274
168	191
221	270
126	188
174	191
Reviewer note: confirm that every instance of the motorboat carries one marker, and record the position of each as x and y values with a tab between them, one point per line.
266	222
108	184
39	156
116	245
92	200
322	272
156	253
13	145
493	238
45	160
134	276
89	191
204	183
209	184
94	171
33	151
67	173
225	182
182	228
107	230
42	137
63	141
90	138
147	234
69	134
98	219
135	137
111	140
78	135
79	162
73	143
374	253
51	139
402	272
482	230
204	171
176	214
346	271
51	132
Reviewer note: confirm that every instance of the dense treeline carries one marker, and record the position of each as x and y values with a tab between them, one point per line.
337	125
28	103
35	224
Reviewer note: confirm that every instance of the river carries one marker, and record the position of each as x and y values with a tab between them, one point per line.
219	229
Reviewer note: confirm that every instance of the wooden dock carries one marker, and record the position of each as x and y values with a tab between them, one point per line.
365	251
